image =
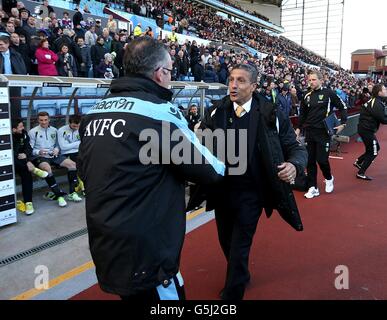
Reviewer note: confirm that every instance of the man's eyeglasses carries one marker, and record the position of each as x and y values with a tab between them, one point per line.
170	70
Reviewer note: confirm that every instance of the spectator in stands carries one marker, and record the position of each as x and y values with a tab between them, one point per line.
116	45
98	52
315	107
107	39
111	25
22	49
7	5
205	57
181	65
46	59
98	27
240	198
91	36
284	101
66	64
24	14
30	27
84	65
149	32
352	99
160	230
120	50
364	97
15	13
223	71
295	102
20	6
66	22
267	93
372	114
273	91
77	17
11	62
210	75
22	154
106	69
43	140
10	27
80	29
86	9
67	38
173	36
45	9
137	32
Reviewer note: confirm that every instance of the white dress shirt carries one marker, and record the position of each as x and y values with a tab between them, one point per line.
246	106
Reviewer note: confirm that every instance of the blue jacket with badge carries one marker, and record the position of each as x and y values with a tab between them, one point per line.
134	179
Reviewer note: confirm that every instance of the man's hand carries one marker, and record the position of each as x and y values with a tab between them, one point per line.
297	132
43	152
339	128
287	172
55	152
21	156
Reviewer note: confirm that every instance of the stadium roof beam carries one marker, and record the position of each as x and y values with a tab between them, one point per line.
242	15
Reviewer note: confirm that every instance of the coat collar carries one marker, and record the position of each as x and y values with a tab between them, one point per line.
140	84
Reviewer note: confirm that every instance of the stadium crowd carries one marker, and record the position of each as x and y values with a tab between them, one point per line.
78	45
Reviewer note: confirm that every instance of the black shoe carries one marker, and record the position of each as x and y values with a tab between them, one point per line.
357	165
221	294
363	177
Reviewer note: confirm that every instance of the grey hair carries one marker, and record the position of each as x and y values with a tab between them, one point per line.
252	70
143	56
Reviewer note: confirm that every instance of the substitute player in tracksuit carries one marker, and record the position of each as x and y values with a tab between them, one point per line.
69	140
44	143
372	114
316	105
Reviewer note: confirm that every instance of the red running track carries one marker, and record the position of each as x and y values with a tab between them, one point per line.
347	227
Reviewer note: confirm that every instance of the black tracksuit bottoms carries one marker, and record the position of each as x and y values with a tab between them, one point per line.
371	149
318	145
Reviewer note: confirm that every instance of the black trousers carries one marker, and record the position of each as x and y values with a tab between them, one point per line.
318	145
236	223
174	291
372	148
26	179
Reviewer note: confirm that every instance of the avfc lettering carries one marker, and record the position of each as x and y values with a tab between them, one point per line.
100	127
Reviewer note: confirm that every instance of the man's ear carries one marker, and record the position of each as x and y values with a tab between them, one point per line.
157	75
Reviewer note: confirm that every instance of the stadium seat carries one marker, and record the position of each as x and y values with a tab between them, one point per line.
24	113
87	92
49	107
66	91
63	109
51	91
86	104
27	91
